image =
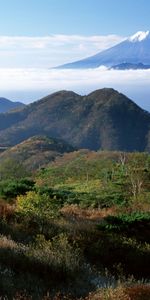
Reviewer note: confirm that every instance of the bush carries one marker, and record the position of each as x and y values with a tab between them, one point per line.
37	205
11	188
125	221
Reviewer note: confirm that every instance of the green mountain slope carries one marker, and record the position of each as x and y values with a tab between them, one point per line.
105	119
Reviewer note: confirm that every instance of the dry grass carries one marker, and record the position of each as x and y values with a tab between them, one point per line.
87	213
6	210
139	292
135	292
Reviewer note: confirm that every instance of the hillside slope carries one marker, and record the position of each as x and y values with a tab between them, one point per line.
104	119
36	151
6	105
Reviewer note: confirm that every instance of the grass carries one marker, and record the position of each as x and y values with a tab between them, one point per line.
78	219
121	292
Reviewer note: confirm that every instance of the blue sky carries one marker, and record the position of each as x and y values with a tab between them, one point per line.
36	35
84	17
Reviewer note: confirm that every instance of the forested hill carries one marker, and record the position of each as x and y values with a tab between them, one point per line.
7	105
104	119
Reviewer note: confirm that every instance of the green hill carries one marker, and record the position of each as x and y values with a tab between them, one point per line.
104	119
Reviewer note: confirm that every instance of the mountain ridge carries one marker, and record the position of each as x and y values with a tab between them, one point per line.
7	105
104	119
130	66
134	50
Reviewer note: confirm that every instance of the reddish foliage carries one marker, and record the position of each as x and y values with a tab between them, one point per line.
6	210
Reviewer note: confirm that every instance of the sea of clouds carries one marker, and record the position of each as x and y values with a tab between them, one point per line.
27	74
29	84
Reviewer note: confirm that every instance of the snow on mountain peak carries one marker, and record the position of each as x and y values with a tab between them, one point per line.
139	36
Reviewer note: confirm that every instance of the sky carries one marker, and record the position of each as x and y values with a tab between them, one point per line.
36	35
73	17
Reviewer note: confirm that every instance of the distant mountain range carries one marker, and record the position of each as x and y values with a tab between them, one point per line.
6	105
129	66
104	119
134	51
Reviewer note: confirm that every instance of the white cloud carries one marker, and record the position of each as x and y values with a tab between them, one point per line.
34	83
25	78
54	40
25	63
52	50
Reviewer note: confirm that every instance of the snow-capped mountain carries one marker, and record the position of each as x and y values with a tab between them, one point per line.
135	51
139	36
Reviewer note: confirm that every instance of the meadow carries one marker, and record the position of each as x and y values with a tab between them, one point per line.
76	229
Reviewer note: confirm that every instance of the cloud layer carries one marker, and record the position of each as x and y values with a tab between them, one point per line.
25	72
49	51
31	84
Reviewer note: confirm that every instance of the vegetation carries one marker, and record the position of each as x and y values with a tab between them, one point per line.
7	105
104	119
77	229
32	154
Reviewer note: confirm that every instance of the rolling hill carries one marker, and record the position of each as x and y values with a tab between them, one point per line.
104	119
36	151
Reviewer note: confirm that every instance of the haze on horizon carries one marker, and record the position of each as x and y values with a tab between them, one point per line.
38	35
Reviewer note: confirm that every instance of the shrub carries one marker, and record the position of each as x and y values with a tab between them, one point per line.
125	221
36	204
11	188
